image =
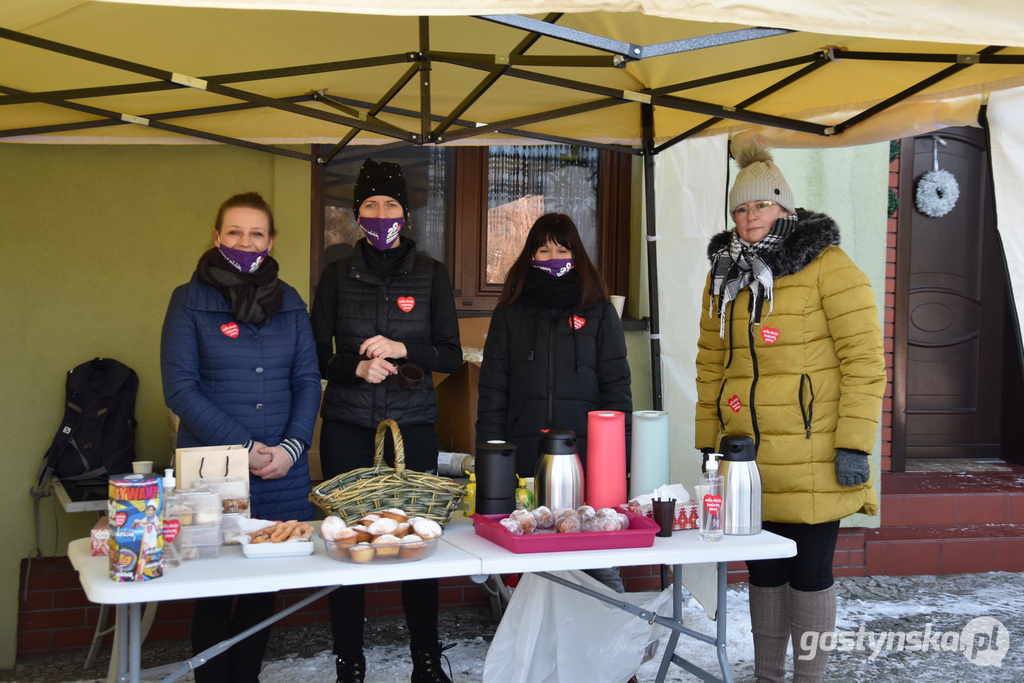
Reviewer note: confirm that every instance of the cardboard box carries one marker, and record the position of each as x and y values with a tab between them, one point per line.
457	396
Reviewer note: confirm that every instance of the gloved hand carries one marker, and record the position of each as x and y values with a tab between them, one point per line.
705	452
852	467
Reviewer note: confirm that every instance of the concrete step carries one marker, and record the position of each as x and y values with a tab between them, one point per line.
958	549
945	499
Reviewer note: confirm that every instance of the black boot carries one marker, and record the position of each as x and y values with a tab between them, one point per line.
351	669
426	664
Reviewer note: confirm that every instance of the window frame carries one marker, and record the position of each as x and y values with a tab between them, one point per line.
466	242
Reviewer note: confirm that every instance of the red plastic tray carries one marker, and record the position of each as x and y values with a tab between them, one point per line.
639	535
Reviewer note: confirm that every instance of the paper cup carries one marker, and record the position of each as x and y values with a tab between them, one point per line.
142	466
619	302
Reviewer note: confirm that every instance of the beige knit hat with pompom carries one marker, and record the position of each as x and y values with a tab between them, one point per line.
759	179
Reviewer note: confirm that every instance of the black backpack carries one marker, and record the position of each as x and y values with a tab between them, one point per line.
96	438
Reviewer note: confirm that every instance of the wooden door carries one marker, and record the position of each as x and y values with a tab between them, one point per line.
950	297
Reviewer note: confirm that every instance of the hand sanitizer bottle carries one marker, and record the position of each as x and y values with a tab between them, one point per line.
712	517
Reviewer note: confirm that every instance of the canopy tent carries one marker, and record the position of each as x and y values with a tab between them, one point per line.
301	71
633	76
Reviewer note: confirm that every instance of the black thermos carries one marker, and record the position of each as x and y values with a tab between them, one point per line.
495	478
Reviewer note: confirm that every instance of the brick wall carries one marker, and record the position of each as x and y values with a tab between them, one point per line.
58	617
888	329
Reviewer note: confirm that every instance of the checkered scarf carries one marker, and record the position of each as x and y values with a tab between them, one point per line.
741	264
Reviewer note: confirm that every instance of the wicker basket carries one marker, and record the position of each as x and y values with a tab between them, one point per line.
355	494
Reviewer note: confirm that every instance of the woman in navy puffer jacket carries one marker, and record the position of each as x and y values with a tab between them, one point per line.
239	367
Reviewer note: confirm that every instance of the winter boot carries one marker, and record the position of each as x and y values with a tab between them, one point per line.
426	664
351	668
769	622
812	612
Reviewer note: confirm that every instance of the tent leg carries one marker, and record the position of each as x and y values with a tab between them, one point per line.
647	117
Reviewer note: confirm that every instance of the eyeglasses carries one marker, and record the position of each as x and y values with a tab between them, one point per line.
756	208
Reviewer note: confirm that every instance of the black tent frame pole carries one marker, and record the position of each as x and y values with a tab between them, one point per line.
647	121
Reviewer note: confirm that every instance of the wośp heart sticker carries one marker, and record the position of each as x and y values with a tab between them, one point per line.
712	503
769	334
577	322
171	528
120	518
406	303
735	404
230	329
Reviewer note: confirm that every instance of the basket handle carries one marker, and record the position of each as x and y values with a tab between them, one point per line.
378	443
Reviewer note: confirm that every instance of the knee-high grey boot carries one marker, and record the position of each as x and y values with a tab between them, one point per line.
812	612
770	623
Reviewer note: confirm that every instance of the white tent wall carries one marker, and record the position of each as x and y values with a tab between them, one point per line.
1006	149
849	184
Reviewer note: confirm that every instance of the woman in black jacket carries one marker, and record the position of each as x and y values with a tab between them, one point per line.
376	309
555	349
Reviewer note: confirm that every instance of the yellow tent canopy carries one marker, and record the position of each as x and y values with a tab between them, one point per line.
265	74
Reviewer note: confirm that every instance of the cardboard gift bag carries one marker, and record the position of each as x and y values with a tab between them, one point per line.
210	461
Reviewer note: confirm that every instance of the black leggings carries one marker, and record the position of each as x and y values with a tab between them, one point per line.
213	622
810	569
344	447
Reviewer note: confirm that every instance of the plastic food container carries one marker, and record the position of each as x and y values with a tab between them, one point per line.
195	507
391	553
639	535
200	542
234	492
229	526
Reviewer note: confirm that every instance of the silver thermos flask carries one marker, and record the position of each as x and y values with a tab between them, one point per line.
742	486
559	478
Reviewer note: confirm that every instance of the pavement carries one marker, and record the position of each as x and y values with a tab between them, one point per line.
964	628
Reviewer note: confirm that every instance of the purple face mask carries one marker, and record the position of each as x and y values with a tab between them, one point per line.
381	232
243	261
556	267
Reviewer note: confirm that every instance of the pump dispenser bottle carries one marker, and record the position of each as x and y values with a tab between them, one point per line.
712	512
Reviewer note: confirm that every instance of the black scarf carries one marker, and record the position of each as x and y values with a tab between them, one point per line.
555	292
740	264
254	297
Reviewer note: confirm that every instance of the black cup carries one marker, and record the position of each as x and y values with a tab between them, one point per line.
409	376
664	515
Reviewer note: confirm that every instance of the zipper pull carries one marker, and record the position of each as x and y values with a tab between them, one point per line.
808	427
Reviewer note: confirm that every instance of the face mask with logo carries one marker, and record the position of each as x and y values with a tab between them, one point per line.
556	267
381	232
243	261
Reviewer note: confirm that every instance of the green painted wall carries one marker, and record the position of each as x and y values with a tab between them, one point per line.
94	240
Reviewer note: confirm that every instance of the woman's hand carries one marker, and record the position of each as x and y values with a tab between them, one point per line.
382	347
278	463
376	370
257	458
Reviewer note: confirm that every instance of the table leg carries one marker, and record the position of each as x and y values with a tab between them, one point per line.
720	623
135	642
121	636
677	617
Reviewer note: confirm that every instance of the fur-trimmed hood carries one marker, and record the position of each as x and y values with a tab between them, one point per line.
814	232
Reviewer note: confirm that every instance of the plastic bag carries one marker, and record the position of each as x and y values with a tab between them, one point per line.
553	634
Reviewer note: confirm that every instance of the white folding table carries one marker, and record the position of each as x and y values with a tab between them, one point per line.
682	548
460	552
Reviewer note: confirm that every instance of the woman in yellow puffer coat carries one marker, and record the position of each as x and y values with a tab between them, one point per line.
790	354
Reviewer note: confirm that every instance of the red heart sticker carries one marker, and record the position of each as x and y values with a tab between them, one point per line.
406	303
577	322
171	528
712	503
769	334
230	329
735	404
120	518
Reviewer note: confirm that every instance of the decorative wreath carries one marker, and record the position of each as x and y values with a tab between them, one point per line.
937	190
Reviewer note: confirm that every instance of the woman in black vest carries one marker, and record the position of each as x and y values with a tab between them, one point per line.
554	351
380	307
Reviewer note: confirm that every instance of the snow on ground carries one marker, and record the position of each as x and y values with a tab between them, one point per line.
874	606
